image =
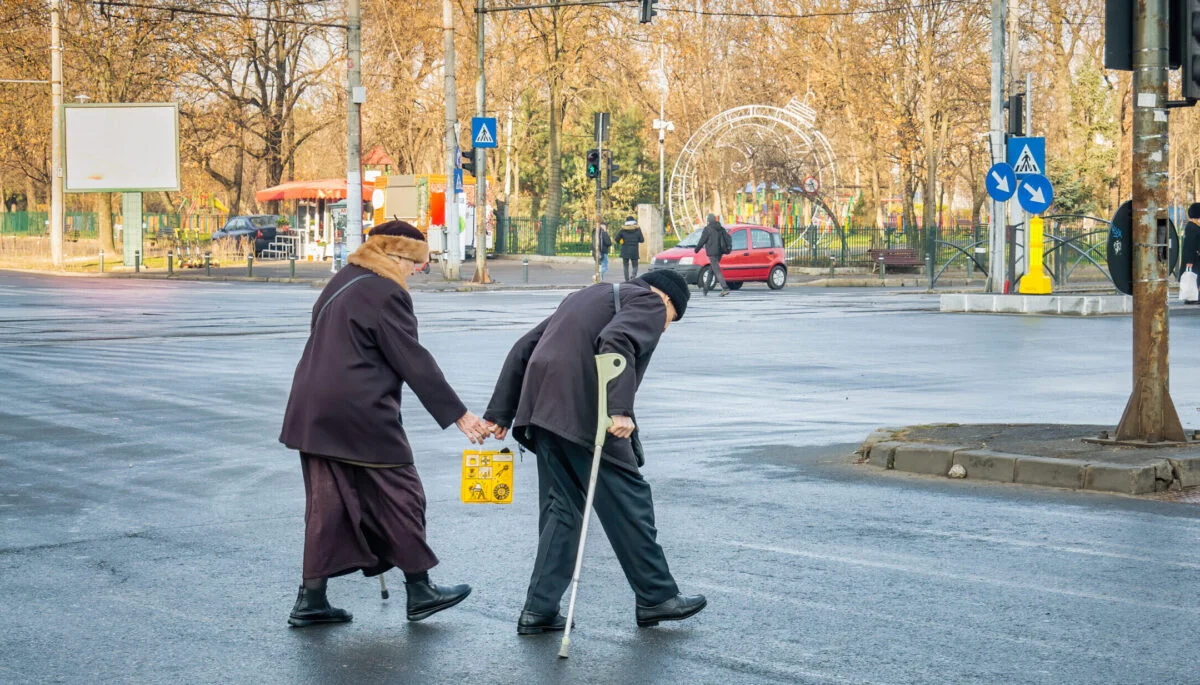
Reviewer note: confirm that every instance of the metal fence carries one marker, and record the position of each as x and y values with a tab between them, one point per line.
84	225
818	246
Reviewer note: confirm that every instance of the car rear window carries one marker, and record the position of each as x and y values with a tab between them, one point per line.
760	239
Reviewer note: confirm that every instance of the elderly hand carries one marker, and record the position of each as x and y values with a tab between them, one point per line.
499	432
622	426
473	427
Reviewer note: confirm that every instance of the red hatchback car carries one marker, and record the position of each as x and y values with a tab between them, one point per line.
757	255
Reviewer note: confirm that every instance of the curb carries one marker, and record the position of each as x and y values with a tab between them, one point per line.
1154	475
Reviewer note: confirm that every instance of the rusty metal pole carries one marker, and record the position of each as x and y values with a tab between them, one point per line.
1150	414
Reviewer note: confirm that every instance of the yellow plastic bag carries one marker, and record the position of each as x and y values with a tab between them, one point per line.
487	477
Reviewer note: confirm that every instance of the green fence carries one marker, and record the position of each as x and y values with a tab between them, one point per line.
858	245
84	225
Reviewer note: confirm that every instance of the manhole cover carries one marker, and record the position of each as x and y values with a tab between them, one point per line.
1188	496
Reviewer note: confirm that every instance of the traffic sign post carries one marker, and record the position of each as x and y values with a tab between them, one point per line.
1036	282
1001	182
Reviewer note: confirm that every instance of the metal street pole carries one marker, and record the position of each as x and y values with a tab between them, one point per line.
599	125
56	160
354	204
1150	414
450	268
481	272
999	214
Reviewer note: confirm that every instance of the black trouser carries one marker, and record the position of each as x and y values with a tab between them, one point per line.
625	509
627	261
714	261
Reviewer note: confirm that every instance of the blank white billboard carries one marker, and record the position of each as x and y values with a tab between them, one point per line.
121	147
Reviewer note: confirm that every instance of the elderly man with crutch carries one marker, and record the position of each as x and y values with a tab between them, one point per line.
547	394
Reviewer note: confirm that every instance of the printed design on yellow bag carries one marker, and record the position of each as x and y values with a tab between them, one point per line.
487	477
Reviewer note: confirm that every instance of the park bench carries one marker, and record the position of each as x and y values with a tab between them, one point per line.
895	258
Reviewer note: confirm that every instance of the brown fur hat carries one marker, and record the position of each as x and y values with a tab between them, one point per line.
391	239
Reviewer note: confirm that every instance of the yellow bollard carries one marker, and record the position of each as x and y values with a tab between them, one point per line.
1036	282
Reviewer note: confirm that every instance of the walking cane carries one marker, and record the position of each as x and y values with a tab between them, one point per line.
608	367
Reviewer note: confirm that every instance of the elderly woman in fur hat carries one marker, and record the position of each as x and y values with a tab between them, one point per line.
365	507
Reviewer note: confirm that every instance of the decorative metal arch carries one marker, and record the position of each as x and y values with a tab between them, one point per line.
795	123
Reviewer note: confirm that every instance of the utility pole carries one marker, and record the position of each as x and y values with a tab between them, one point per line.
601	124
451	263
1150	414
357	95
999	214
662	126
56	152
481	272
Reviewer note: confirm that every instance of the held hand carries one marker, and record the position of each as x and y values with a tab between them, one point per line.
473	427
622	426
497	431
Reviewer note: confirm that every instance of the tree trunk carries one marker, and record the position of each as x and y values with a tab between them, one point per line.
104	219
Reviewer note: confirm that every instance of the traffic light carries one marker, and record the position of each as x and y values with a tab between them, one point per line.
1188	33
649	11
611	177
593	163
1016	114
468	162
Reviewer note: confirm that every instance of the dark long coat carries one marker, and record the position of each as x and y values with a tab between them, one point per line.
629	239
345	400
1189	252
710	240
549	378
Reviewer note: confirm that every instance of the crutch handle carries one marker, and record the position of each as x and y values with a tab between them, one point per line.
608	367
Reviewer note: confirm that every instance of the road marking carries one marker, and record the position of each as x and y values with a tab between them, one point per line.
971	577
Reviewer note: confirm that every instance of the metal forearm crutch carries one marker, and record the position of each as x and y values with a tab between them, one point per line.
608	367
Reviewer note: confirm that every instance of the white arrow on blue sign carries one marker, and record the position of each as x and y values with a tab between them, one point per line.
1001	182
1036	194
483	132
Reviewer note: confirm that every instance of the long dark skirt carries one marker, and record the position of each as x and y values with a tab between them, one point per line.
359	518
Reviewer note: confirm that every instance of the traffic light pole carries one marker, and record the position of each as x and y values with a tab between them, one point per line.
450	263
481	272
599	188
1150	414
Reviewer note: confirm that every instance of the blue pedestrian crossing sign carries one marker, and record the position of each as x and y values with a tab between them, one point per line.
483	132
1036	194
458	181
1001	182
1027	156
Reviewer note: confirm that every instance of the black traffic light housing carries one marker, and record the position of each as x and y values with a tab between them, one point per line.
468	162
1016	114
593	163
649	11
611	176
1187	34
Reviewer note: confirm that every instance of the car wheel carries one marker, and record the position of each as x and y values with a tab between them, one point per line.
778	277
706	279
734	285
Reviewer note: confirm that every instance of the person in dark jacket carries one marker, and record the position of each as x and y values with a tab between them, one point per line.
546	395
605	245
1189	253
711	239
365	506
629	238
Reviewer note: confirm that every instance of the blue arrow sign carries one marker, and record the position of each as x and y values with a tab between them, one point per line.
1001	182
483	132
1035	194
1027	156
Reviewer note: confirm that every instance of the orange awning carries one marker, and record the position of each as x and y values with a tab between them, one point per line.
322	189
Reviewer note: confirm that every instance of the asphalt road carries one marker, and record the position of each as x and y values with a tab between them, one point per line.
151	525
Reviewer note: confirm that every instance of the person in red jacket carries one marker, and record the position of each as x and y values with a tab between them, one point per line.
364	503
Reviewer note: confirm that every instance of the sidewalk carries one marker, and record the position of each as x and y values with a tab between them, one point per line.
1034	454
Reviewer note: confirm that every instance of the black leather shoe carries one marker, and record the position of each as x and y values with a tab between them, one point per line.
426	599
535	624
312	608
677	608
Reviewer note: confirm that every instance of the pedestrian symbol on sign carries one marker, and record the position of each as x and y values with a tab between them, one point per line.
1026	164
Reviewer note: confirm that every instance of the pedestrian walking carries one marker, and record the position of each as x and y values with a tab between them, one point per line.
1189	257
604	241
364	503
547	394
630	238
716	243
